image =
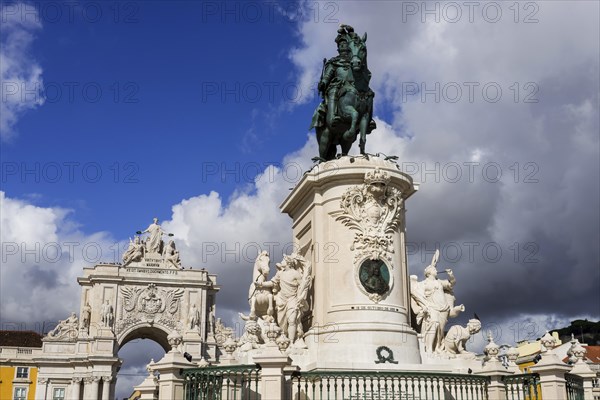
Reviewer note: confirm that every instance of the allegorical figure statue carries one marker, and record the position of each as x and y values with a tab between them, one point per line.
171	255
86	315
290	286
134	252
66	329
260	297
347	107
107	314
154	241
432	301
211	319
193	317
457	337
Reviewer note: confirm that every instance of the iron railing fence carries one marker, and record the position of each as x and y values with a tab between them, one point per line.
522	387
386	385
574	386
234	382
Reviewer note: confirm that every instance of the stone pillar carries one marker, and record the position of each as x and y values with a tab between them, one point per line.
41	389
349	320
272	362
113	388
76	388
87	388
106	387
581	368
147	388
94	392
552	376
495	370
588	377
170	384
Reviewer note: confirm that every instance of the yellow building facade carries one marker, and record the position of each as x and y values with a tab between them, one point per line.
18	381
18	372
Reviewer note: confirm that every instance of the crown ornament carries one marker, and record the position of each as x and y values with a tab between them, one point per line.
377	176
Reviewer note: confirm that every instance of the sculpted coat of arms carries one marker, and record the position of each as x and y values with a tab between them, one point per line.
149	304
374	212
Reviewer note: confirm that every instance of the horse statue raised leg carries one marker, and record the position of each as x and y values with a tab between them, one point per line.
345	86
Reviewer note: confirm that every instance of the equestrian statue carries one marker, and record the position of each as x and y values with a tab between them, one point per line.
346	111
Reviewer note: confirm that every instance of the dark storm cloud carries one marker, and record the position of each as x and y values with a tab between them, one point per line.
38	277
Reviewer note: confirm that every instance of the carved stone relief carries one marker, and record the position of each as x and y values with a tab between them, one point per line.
374	279
66	329
150	305
374	212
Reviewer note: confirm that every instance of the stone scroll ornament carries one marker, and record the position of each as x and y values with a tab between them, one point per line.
151	305
374	212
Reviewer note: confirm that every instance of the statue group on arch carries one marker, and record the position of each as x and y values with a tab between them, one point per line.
153	245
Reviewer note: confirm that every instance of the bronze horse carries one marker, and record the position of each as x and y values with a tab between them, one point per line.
354	105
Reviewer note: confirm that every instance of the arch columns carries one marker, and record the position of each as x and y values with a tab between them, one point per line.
87	388
106	380
95	392
76	388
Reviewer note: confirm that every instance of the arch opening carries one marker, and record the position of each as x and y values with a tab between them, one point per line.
137	350
153	333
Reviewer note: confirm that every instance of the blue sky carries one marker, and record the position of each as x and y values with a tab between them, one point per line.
201	119
162	115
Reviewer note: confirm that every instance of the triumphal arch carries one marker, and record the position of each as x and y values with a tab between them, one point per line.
150	295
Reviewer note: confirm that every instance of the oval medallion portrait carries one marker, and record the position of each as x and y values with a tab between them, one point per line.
375	276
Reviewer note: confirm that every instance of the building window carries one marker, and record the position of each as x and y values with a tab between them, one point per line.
58	394
20	393
22	372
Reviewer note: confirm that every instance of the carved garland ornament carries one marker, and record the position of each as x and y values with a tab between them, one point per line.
388	357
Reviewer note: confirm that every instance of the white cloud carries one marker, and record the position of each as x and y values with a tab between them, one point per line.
43	253
20	74
226	236
557	135
547	150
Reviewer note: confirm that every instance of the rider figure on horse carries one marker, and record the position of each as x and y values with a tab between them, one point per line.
337	80
335	74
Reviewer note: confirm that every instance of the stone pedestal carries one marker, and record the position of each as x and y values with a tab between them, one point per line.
272	362
495	370
552	376
348	324
583	370
147	388
171	381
